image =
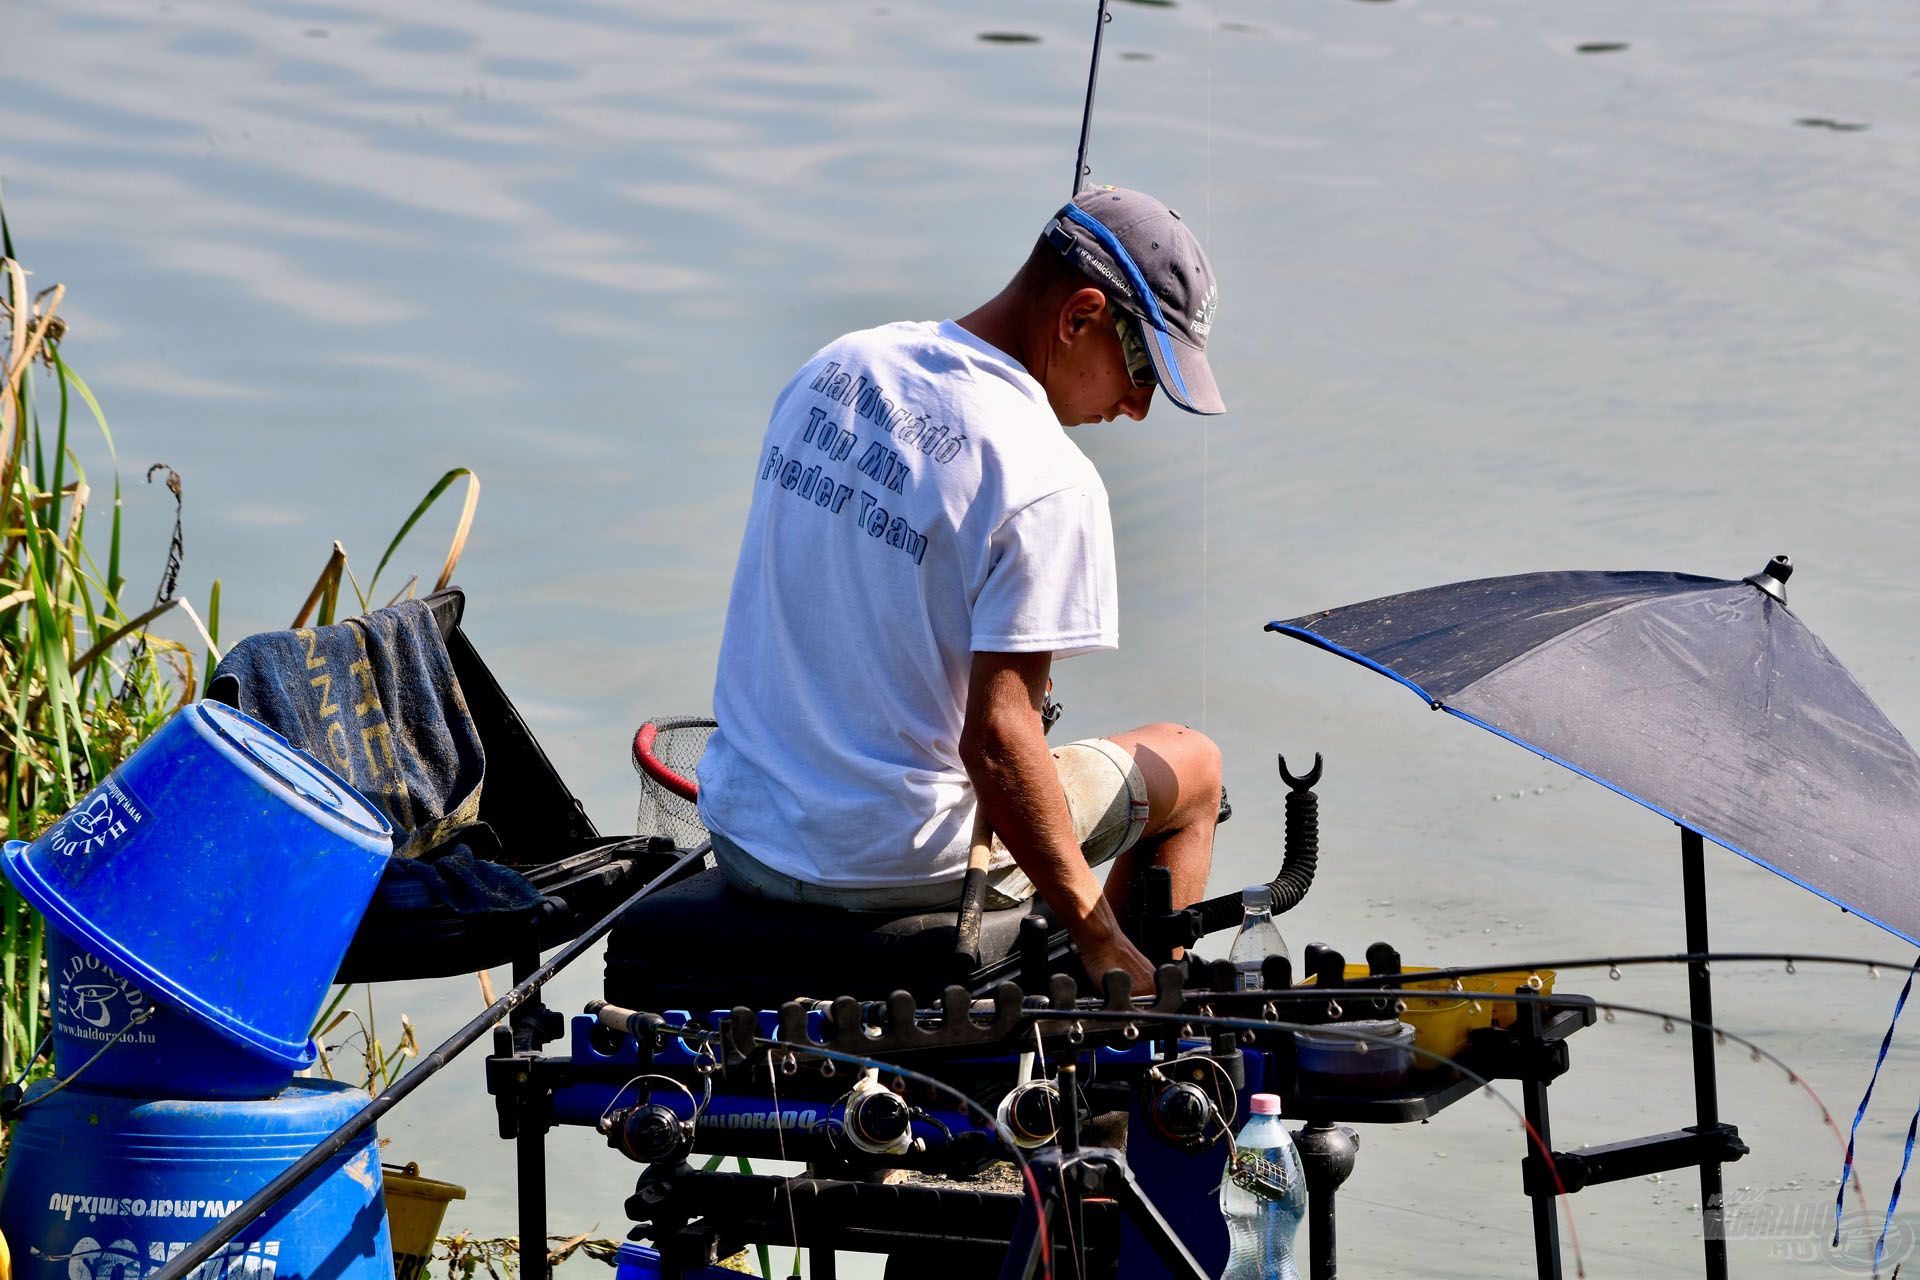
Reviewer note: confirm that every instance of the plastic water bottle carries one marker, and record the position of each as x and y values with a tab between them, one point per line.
1258	938
1263	1196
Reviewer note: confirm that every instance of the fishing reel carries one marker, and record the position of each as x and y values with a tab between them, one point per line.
651	1132
1192	1104
876	1119
1030	1113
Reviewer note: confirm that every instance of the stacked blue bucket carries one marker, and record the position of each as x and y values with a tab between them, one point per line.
199	902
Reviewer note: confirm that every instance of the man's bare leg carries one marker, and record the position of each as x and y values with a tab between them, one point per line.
1182	770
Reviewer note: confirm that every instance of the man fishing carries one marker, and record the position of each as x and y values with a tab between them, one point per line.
923	542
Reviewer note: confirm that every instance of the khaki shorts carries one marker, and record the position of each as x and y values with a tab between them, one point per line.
1106	798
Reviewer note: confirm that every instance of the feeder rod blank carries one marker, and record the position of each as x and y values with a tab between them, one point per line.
290	1177
1086	115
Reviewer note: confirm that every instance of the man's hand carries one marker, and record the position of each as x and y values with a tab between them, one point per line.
1005	751
1118	952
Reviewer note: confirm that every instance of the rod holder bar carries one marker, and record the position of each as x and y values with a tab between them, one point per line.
1635	1158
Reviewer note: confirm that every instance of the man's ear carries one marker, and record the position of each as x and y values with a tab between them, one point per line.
1081	308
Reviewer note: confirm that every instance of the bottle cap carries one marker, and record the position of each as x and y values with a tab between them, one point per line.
1257	896
1264	1104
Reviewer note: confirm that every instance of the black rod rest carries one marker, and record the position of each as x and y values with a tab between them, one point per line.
1163	930
1303	838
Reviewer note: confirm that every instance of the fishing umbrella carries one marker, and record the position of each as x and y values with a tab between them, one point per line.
1706	700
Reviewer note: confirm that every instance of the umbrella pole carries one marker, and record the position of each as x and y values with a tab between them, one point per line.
1706	1091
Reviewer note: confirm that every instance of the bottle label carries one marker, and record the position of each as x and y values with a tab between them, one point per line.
1253	1172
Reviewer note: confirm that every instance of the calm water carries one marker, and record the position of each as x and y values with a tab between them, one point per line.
1492	303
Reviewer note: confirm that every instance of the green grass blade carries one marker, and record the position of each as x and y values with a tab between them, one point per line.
213	628
36	941
60	431
114	580
419	510
86	394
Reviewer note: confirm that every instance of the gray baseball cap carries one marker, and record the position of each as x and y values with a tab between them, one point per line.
1151	266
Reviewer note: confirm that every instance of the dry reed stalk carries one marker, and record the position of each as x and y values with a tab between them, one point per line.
328	581
120	633
460	532
25	345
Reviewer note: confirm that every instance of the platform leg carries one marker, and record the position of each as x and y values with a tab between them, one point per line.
530	1143
1327	1153
1533	1090
1706	1090
1165	1242
1023	1250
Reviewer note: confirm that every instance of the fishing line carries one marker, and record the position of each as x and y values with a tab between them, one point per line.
1246	1024
698	1105
1206	421
1069	1213
967	1104
1720	1033
1299	994
780	1138
76	1073
1185	1021
1757	1052
1789	959
33	1058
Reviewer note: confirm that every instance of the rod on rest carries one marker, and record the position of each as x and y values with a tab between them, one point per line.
290	1177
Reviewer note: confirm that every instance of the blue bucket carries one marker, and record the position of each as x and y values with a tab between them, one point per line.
112	1037
221	870
102	1187
637	1262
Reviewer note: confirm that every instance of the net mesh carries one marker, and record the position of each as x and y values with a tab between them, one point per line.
671	751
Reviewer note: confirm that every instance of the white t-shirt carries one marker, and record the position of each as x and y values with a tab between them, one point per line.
915	501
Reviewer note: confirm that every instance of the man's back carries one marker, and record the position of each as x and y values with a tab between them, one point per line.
916	501
923	543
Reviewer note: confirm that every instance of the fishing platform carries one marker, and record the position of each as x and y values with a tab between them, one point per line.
958	1098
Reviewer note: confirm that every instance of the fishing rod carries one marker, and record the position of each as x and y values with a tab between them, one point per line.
266	1197
1790	959
1269	1023
1086	115
790	1050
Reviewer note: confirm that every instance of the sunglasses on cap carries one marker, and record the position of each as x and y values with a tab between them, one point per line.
1133	345
1133	336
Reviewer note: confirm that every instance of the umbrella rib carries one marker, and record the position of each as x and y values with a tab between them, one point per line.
1319	641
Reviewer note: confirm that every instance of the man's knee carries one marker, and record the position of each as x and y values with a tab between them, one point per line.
1191	754
1182	767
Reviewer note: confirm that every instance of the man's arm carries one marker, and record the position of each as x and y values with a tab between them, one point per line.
1004	749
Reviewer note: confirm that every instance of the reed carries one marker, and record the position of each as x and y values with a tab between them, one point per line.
83	678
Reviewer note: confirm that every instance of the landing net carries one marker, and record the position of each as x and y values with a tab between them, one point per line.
666	754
